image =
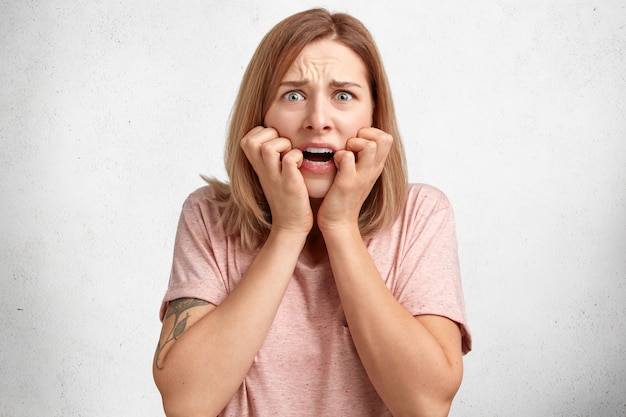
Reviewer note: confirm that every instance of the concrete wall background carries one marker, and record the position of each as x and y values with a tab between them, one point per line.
110	110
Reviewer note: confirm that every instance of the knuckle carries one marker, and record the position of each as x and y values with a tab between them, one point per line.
293	155
249	142
386	138
267	149
370	145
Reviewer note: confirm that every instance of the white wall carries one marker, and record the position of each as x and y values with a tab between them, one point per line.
110	110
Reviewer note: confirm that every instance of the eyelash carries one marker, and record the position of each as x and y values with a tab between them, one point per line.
336	95
289	93
351	96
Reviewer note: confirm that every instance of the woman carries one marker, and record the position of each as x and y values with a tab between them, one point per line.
318	282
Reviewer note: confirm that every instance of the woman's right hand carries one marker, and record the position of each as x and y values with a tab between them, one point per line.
277	165
189	363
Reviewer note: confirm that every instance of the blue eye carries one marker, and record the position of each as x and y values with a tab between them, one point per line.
343	96
293	96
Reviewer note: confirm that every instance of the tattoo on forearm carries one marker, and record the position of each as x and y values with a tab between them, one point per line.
176	308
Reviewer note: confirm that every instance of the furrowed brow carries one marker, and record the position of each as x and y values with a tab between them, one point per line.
333	84
294	84
344	84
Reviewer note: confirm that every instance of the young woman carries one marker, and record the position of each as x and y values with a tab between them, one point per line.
318	281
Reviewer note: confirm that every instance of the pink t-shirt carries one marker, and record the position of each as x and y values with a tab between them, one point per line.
308	364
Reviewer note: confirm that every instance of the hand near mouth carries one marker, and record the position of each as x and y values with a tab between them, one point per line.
277	165
358	168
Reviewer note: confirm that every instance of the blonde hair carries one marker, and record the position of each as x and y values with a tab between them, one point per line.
244	207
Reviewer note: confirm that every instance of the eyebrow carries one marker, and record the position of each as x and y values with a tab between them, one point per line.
333	83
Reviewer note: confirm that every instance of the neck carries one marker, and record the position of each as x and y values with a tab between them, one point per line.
315	247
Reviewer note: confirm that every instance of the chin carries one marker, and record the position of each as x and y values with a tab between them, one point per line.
316	193
317	190
317	186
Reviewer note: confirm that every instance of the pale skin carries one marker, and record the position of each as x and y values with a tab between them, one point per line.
415	363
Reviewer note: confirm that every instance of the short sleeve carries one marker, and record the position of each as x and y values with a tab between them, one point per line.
428	273
198	265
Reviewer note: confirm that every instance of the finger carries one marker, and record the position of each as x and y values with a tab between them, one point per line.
345	161
294	157
373	133
273	150
260	144
383	139
369	133
254	139
268	159
364	149
292	161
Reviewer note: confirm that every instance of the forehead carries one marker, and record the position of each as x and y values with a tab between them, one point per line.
327	58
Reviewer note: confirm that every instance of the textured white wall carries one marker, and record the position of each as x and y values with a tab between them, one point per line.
110	110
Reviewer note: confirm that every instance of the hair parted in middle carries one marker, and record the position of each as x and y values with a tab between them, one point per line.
245	209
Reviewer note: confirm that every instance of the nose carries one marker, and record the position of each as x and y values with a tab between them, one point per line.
318	118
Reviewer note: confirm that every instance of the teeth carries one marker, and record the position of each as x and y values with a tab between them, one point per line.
318	150
318	156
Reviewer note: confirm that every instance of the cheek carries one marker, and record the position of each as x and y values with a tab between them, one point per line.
268	119
356	121
283	123
364	115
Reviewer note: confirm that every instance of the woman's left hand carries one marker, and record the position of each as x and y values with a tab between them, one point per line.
358	168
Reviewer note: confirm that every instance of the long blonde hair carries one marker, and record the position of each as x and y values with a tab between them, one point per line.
244	207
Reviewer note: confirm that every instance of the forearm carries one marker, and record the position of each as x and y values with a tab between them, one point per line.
406	364
208	362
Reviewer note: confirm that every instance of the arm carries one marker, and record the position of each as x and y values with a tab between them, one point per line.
413	362
200	371
205	351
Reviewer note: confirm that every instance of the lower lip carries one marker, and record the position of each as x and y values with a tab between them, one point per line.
318	168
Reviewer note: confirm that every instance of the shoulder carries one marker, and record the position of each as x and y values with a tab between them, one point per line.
426	197
207	193
426	208
208	196
202	206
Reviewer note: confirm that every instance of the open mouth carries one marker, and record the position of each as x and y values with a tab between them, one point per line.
318	156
